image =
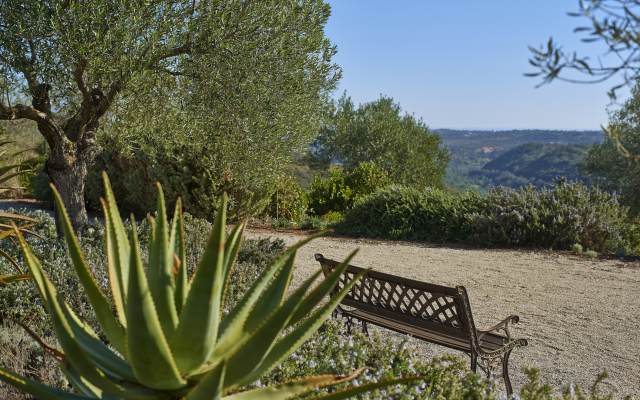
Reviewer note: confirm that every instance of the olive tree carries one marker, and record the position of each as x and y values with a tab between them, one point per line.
401	145
245	63
609	167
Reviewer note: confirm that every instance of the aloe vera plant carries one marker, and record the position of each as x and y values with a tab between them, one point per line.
170	337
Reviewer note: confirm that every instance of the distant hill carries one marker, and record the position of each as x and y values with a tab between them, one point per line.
535	163
473	150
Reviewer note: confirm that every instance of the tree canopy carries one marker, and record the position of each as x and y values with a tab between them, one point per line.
239	69
376	131
609	167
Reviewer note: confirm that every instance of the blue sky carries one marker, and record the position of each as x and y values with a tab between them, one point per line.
460	64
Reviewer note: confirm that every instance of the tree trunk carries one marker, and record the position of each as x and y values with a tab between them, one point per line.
73	152
69	183
72	141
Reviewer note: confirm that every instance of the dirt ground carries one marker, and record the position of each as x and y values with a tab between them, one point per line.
580	316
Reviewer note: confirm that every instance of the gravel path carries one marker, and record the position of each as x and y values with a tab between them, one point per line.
580	316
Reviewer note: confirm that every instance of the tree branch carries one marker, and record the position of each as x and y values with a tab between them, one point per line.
78	74
116	87
20	111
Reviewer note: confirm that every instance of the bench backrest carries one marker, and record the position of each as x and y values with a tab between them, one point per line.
436	307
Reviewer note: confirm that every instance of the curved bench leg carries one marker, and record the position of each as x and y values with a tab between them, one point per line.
365	330
474	361
494	367
505	374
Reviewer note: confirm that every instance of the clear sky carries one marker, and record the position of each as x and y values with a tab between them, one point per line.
460	64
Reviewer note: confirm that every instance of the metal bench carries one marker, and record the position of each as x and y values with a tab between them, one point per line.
434	313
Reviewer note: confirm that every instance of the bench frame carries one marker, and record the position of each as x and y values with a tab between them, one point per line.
437	314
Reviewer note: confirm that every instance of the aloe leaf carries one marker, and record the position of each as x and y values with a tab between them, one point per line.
77	356
176	247
147	347
231	248
14	278
295	339
101	355
269	301
113	261
81	385
253	352
239	313
117	246
354	391
19	217
160	273
194	339
210	387
100	305
284	390
37	389
323	289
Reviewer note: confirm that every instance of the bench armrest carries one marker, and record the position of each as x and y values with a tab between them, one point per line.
504	326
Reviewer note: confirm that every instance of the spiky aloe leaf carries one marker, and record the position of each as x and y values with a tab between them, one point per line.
356	390
37	389
84	387
268	302
100	305
253	352
211	386
177	248
100	354
147	347
77	356
17	217
300	334
194	339
6	279
294	387
232	322
323	289
160	273
118	250
231	248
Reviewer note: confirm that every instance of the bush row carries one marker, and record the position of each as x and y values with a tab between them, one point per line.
559	217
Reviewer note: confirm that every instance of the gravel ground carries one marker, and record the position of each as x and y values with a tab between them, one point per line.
579	316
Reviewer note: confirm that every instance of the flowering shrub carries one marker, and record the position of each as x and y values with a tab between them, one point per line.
408	213
558	217
342	190
22	301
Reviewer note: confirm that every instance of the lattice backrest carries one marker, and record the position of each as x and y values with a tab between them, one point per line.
415	299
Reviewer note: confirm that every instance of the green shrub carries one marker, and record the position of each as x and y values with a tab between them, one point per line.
558	217
191	172
342	189
41	189
591	254
282	223
621	252
313	222
289	202
408	213
27	180
576	248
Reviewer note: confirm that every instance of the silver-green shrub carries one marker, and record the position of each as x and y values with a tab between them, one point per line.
576	248
21	299
591	254
558	217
